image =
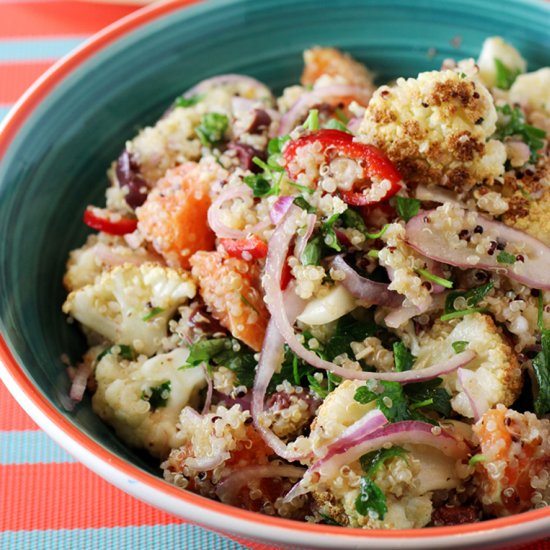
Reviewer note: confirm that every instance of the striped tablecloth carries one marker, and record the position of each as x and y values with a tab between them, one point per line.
47	500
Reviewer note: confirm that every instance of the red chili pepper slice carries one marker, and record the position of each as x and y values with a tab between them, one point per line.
376	166
103	220
250	248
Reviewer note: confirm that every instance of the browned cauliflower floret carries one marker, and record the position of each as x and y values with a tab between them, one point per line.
513	474
497	374
436	128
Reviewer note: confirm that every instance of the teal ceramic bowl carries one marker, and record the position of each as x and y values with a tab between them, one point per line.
58	142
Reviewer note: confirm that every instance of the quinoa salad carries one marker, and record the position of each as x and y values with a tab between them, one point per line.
333	305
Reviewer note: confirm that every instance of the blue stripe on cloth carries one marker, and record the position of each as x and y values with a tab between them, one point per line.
188	537
30	447
4	111
37	49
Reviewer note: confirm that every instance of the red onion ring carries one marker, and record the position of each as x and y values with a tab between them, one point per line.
365	289
208	463
534	271
228	489
277	251
210	388
307	101
478	403
302	240
230	79
280	208
79	382
219	227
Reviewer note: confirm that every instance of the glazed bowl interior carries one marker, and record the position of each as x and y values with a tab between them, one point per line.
55	164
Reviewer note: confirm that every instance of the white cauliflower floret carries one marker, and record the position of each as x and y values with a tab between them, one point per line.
132	304
436	128
495	48
497	373
407	481
142	400
533	90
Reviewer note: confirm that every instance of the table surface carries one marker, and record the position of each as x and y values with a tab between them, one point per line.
47	499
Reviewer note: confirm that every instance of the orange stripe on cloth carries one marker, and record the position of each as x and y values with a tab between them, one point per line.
15	78
40	19
68	496
12	416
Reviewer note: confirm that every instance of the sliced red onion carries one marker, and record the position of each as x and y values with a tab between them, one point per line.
221	230
365	289
533	270
244	402
354	123
434	193
231	80
210	388
296	114
276	257
406	432
280	208
302	240
398	317
474	393
207	463
79	382
228	489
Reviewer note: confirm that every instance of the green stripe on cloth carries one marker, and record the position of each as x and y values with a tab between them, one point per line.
182	537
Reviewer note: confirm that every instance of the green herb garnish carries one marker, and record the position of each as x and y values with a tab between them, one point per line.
541	367
188	101
212	128
334	124
373	461
371	499
459	346
434	278
476	459
406	207
304	205
126	352
157	396
259	185
463	312
153	312
473	297
504	77
312	121
403	358
353	219
330	237
506	258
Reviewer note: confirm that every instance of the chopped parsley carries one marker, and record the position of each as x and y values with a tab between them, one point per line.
512	123
312	121
224	352
406	207
183	101
371	499
399	402
504	77
373	461
351	218
153	312
476	459
335	124
330	237
313	251
349	329
434	278
126	352
269	182
403	358
459	346
327	520
212	128
157	396
473	297
541	367
322	243
304	205
506	258
259	185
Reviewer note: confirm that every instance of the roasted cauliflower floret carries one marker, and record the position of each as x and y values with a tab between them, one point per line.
495	48
143	399
132	304
533	90
497	373
513	474
436	129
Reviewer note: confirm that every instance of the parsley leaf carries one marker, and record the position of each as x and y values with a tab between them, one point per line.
304	205
335	124
226	352
259	185
541	367
403	358
391	400
406	207
460	345
126	352
475	459
352	218
188	101
463	312
330	237
327	520
430	390
373	461
212	128
349	329
312	121
434	278
506	258
371	499
504	76
313	251
153	312
158	395
473	296
512	123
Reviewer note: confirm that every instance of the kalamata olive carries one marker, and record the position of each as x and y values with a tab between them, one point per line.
246	153
455	515
129	177
260	121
